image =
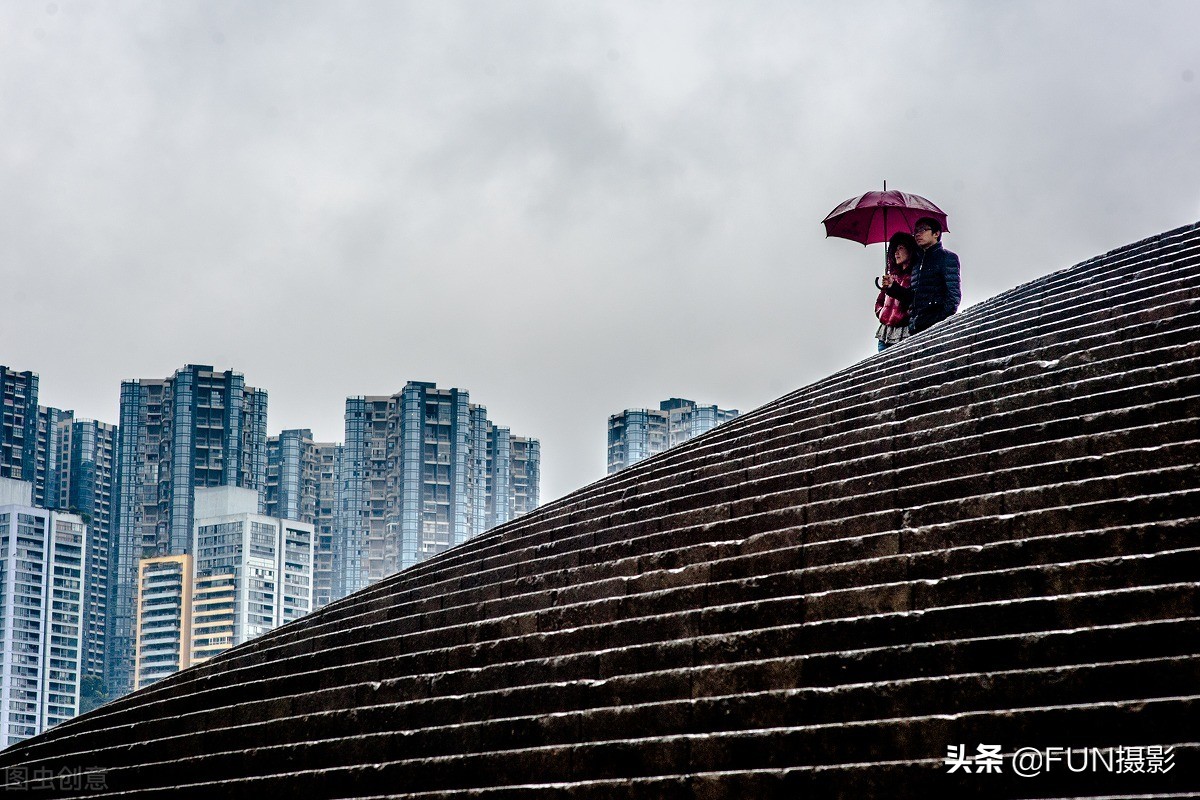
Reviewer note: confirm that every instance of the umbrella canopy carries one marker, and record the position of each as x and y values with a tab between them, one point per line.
875	216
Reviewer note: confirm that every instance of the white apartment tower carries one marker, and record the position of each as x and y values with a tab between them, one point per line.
252	572
247	573
41	610
164	614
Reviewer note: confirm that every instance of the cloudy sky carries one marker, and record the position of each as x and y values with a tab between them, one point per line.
567	208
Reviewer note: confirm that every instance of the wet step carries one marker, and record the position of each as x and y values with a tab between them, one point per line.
749	710
780	748
735	617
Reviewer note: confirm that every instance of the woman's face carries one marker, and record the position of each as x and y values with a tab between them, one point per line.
900	255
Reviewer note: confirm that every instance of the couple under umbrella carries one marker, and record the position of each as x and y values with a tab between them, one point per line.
920	285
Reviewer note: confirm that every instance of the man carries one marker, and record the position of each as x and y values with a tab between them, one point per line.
935	290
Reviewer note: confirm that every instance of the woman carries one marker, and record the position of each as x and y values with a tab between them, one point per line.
892	312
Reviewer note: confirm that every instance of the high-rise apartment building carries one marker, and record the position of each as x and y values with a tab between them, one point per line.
419	475
292	475
634	434
164	617
247	573
361	522
494	462
480	430
42	553
508	470
432	488
69	463
18	424
48	455
638	433
87	479
302	484
329	460
526	469
687	420
198	428
254	571
405	480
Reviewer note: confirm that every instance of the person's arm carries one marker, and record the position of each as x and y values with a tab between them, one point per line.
953	284
901	293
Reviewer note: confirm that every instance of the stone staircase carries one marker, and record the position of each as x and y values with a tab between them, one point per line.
985	535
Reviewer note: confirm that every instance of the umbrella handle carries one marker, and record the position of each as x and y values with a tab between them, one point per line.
878	285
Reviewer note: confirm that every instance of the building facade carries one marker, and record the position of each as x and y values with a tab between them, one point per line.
638	433
526	474
18	424
164	618
496	467
42	553
253	572
247	574
302	485
48	455
687	420
292	475
422	470
87	482
634	434
329	460
70	465
405	485
198	428
361	512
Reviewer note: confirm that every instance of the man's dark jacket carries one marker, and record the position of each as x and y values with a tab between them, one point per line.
935	291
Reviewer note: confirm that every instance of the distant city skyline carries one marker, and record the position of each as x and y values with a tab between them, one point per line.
271	429
421	470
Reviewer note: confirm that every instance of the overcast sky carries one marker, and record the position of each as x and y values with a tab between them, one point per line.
566	208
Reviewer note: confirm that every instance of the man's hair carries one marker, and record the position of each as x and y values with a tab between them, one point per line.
933	224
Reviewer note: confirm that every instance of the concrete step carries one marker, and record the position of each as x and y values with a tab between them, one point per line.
420	639
826	397
1117	510
864	418
1081	409
711	621
1091	464
624	596
908	739
1095	629
747	710
918	778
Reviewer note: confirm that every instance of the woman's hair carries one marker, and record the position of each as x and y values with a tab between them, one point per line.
910	244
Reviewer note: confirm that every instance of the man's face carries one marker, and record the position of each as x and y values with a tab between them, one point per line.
925	236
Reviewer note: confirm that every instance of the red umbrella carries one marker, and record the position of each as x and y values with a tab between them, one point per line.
875	216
